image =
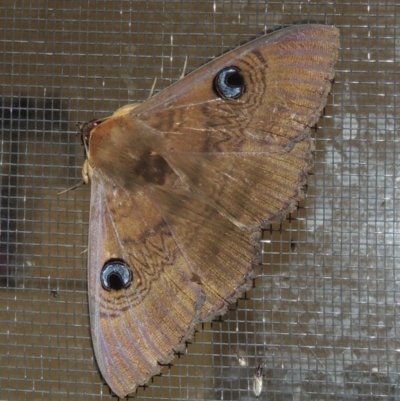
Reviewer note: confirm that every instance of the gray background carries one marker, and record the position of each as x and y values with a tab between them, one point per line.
323	313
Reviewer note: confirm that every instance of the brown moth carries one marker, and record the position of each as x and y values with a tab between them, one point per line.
181	186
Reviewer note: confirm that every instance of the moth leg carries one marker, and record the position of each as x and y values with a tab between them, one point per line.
82	182
86	174
184	68
152	88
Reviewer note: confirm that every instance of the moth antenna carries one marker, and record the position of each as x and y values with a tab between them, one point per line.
72	188
184	68
152	88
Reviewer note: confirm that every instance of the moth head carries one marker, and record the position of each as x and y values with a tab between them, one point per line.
86	129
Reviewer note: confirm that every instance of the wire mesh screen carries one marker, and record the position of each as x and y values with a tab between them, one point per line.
322	316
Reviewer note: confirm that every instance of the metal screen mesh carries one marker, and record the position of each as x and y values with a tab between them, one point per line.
322	315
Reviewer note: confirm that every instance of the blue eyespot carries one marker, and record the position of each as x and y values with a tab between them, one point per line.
116	275
229	83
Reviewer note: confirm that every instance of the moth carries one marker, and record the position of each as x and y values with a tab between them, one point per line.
258	380
240	356
183	183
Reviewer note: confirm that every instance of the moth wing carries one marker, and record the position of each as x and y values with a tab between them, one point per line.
137	328
286	74
221	255
249	155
